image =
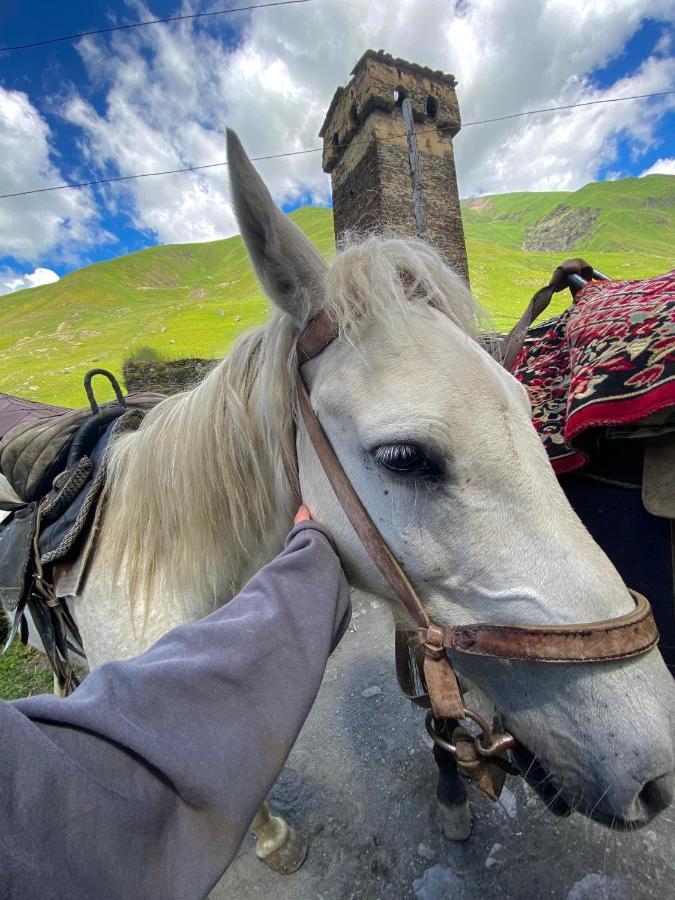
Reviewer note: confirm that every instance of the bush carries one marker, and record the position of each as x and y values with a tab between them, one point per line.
144	354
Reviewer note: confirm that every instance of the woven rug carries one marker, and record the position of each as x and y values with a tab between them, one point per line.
607	361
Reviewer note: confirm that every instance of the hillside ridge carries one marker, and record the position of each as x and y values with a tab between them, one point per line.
194	300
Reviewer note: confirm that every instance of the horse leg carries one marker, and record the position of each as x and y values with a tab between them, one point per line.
58	690
277	844
452	803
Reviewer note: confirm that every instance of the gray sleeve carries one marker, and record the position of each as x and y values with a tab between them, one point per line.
144	782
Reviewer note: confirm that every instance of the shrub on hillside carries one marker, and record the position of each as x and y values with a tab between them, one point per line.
144	354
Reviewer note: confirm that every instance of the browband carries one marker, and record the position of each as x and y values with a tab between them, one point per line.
315	337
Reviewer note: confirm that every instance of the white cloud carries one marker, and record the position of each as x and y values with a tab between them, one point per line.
661	167
43	223
170	92
12	281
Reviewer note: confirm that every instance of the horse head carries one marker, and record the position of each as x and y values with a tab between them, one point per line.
437	439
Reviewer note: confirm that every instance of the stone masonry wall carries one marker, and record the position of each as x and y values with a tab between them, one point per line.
165	377
357	198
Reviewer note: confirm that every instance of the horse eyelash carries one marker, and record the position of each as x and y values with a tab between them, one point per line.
388	454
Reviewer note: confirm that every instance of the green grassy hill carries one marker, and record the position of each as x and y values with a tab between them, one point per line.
624	228
195	299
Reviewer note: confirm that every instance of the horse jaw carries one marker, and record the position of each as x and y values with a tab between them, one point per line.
495	540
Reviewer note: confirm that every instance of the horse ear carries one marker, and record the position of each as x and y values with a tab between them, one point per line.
290	268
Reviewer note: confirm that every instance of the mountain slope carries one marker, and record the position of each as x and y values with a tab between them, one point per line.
632	215
185	299
195	299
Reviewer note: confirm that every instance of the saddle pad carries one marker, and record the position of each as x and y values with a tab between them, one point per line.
65	524
609	360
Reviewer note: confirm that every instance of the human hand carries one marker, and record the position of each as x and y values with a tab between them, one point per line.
302	515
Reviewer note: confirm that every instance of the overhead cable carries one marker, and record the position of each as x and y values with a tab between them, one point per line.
203	15
387	138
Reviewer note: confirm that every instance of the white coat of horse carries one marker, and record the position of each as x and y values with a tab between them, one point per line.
436	438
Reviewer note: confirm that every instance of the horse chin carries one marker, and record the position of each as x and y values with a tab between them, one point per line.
540	781
543	784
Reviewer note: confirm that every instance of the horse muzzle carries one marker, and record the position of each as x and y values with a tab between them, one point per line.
619	808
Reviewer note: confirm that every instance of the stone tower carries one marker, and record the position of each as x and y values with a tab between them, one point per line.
365	151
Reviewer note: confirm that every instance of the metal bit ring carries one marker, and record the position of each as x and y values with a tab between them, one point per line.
486	743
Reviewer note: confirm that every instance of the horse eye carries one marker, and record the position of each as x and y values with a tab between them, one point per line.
406	459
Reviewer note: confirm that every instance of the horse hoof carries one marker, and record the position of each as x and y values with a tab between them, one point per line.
454	821
284	851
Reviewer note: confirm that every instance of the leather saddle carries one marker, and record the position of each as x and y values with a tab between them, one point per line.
54	461
40	440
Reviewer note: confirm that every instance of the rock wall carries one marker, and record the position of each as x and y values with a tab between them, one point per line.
165	377
561	230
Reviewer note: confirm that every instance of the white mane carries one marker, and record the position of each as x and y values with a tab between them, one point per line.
200	491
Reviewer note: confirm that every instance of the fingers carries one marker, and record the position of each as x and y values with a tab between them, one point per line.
302	515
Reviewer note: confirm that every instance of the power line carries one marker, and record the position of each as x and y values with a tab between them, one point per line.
546	109
81	34
529	112
83	184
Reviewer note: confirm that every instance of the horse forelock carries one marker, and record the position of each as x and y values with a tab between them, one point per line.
199	496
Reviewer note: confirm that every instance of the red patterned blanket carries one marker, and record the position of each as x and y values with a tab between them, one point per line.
609	360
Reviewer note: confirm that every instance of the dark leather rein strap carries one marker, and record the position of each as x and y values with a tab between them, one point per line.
358	515
514	340
611	639
441	682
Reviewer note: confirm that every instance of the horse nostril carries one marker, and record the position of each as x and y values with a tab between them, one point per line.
657	795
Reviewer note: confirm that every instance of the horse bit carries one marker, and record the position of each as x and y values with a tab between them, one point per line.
611	639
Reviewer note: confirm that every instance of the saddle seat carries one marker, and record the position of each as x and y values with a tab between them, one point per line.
36	440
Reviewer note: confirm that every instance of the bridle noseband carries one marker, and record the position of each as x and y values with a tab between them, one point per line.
611	639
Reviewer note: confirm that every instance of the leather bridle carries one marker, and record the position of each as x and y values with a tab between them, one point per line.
611	639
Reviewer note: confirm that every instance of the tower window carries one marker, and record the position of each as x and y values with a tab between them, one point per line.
432	107
336	139
353	112
399	96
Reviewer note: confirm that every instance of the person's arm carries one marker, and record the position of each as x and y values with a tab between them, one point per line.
144	782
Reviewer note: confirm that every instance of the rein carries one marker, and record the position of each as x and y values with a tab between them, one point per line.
611	639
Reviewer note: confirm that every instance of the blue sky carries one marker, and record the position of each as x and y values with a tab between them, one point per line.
637	49
160	97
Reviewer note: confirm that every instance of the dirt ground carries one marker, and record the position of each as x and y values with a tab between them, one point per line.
360	784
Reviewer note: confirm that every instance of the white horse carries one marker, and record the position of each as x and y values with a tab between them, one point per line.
437	439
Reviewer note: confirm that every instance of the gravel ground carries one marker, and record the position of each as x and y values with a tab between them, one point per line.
360	784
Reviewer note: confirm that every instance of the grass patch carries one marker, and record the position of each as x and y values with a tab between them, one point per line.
24	672
144	354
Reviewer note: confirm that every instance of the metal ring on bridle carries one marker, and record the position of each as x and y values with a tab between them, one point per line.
431	724
486	743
